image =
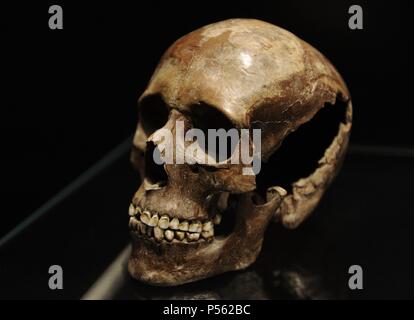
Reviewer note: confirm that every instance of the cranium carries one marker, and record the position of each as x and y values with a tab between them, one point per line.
237	73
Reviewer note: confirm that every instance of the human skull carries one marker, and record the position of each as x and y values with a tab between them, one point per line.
192	221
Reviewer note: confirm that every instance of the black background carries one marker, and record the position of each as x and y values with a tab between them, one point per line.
69	96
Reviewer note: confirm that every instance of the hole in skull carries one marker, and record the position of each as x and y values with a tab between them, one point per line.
299	153
205	118
153	113
154	173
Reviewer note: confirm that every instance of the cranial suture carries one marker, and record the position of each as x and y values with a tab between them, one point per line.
193	221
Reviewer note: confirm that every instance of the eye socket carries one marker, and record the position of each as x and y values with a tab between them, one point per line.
205	117
153	113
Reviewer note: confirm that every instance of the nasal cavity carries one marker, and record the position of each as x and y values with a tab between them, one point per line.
154	172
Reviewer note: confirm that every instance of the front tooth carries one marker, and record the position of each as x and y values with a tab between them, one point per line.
217	218
142	228
208	226
145	217
174	224
169	234
180	235
158	233
183	226
131	222
207	234
192	236
135	224
149	231
131	210
154	220
164	222
195	227
138	226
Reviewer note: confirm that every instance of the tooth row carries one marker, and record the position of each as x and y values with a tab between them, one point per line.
167	234
165	222
132	211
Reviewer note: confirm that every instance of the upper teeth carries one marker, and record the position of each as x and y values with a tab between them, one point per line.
174	224
131	210
217	219
164	222
163	227
183	226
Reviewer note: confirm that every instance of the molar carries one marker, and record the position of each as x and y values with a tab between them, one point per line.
174	224
180	235
183	226
207	234
207	226
192	236
217	218
169	234
195	227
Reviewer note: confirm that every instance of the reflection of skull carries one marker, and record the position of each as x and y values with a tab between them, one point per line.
242	74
